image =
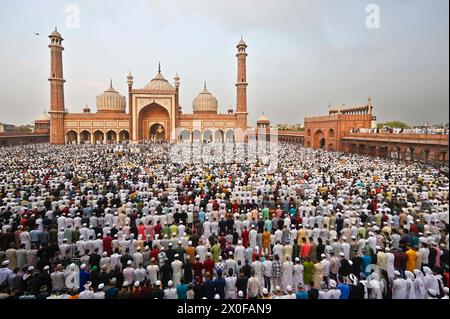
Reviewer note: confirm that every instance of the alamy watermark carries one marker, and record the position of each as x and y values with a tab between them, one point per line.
72	16
258	148
373	16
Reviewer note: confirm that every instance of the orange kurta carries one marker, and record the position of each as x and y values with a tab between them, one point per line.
411	260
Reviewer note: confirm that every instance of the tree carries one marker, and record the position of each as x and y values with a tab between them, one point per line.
394	124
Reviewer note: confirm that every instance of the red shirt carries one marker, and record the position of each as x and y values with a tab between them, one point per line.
154	253
222	242
305	250
158	229
246	238
413	229
198	267
107	245
209	265
141	231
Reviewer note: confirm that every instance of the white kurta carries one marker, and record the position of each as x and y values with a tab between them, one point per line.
230	287
390	265
177	268
298	276
287	274
152	272
399	289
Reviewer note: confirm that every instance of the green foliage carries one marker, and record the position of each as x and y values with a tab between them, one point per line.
23	129
394	124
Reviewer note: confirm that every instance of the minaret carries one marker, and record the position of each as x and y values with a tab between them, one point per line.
177	95
241	85
130	88
56	79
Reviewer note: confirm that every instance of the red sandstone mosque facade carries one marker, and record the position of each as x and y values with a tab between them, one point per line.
154	112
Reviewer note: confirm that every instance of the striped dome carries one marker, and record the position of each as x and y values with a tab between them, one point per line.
159	84
111	100
205	102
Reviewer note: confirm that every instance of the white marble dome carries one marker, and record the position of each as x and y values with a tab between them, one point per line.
205	102
159	84
111	100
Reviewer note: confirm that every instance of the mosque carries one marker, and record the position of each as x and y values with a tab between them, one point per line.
154	112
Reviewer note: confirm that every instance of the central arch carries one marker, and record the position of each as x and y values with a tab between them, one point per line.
157	133
151	119
319	139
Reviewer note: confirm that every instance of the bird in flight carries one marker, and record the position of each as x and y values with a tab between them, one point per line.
36	33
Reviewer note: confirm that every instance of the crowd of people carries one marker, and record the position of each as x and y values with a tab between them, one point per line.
396	130
88	222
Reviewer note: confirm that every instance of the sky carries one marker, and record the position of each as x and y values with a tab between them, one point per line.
302	54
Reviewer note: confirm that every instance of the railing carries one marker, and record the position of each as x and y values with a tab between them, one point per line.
21	134
435	139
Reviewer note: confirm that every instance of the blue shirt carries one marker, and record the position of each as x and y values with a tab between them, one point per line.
268	225
219	286
302	295
366	261
181	291
84	277
201	216
345	291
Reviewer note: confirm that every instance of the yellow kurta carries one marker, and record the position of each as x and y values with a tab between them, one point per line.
318	274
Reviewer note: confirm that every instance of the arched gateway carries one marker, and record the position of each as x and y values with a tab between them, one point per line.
154	123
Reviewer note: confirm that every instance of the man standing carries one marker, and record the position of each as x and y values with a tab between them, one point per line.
267	272
287	273
298	274
5	274
253	287
171	291
398	286
242	283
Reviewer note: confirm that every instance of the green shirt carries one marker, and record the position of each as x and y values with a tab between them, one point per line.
166	230
308	267
215	251
265	213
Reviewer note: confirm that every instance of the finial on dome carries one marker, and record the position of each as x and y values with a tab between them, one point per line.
159	67
56	28
110	84
205	85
